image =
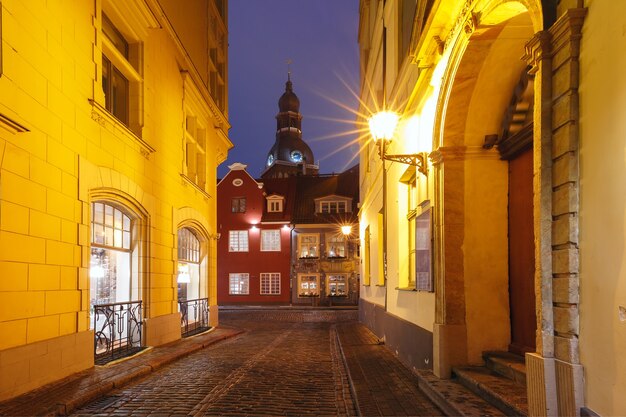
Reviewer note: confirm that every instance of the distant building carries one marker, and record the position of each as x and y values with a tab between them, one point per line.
281	237
113	119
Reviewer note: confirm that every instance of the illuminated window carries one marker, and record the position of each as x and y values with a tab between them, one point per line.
337	285
110	255
308	245
238	241
239	284
188	265
336	246
270	283
308	285
270	240
238	205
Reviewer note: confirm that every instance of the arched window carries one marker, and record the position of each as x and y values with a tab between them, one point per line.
116	314
188	265
110	255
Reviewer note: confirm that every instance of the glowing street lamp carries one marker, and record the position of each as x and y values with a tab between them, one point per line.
346	230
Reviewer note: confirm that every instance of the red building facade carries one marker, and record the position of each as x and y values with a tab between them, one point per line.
254	248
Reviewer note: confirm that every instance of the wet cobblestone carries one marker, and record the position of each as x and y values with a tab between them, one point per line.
275	368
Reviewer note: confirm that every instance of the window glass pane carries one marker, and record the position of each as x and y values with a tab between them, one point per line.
117	238
119	96
114	36
98	234
126	240
126	223
98	213
108	215
118	219
108	236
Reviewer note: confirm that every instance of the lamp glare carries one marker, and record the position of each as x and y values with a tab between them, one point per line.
383	125
346	230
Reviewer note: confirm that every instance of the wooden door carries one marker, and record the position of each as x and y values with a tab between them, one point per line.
521	254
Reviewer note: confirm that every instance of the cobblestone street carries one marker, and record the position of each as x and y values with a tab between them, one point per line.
274	368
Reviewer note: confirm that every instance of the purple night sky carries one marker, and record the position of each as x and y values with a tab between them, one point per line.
320	37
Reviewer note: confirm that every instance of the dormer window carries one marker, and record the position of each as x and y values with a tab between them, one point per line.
275	204
333	204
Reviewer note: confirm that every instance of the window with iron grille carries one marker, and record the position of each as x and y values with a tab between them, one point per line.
270	283
270	240
238	241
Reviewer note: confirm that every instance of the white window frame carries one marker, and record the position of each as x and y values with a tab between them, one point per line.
340	242
275	204
329	284
301	237
239	235
243	283
270	283
271	244
303	294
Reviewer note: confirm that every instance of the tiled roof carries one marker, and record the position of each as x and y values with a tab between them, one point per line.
309	188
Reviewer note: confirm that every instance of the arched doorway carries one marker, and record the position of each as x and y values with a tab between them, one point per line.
485	219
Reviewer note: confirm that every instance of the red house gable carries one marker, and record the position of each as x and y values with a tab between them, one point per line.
254	249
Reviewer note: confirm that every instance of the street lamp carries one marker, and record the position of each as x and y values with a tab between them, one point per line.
346	230
382	128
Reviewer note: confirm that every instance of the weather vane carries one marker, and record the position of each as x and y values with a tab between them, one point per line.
289	69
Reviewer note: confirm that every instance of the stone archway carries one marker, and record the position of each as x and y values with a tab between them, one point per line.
473	312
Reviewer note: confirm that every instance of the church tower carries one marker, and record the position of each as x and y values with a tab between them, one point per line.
289	155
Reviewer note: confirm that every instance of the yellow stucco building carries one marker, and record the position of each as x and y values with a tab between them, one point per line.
113	119
504	231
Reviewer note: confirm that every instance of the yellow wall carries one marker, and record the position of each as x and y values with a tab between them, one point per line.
50	174
603	206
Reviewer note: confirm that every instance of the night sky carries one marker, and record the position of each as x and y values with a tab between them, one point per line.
320	38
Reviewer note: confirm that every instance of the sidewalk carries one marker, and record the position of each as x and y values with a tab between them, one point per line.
62	397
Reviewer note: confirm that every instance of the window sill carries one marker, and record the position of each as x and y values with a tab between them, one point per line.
194	185
309	257
308	296
102	116
409	289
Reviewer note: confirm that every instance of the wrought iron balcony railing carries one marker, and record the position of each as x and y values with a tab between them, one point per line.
117	329
194	316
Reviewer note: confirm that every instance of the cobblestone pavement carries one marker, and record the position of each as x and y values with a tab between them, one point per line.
275	368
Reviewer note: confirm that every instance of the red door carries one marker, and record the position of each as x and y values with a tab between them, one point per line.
522	254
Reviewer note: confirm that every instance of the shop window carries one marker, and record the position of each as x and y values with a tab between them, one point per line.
270	240
188	265
238	241
238	205
239	284
336	246
337	285
110	255
270	283
308	245
308	285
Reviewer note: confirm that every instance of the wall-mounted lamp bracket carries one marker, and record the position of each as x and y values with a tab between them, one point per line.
418	160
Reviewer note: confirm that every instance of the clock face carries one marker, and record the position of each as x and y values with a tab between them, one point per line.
296	156
270	159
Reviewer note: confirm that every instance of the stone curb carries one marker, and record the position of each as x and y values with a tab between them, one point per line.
63	397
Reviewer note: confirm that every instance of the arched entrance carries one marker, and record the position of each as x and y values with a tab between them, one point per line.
485	177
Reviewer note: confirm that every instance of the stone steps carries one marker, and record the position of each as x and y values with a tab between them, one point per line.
503	393
496	389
